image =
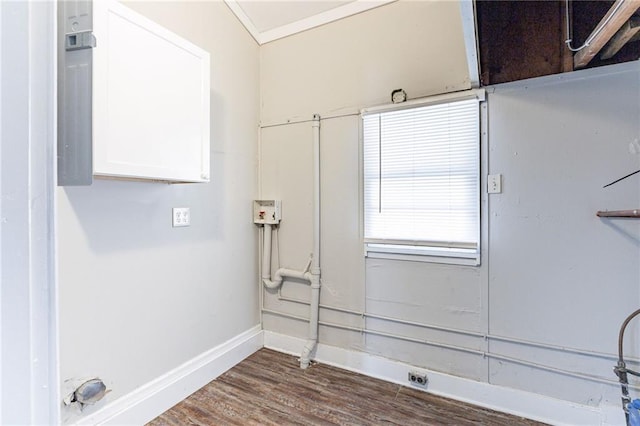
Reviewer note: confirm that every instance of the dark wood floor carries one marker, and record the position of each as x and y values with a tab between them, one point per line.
269	388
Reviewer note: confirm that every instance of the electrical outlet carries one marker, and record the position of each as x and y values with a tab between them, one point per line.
418	378
181	216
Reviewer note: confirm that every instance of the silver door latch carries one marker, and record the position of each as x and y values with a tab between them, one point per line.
80	40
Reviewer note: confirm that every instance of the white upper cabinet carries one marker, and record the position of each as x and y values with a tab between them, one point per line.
150	105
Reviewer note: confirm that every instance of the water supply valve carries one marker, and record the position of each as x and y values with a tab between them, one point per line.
267	212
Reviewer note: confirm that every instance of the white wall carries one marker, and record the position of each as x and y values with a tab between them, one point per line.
341	66
138	298
559	274
551	271
338	69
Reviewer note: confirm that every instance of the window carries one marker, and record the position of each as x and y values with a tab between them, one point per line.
421	181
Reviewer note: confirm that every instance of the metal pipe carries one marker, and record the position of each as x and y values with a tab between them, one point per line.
621	369
621	333
576	351
619	213
294	121
456	348
314	307
315	266
385	318
381	333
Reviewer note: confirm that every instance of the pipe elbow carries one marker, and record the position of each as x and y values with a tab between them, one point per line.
272	284
278	277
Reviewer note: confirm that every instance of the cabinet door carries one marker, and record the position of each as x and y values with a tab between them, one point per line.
150	100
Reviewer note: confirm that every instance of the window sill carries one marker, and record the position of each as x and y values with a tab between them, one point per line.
449	256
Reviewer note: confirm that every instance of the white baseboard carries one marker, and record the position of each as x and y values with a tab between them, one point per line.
157	396
512	401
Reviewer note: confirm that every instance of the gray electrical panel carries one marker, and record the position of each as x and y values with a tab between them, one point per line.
75	57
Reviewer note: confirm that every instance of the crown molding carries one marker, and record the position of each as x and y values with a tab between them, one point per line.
313	21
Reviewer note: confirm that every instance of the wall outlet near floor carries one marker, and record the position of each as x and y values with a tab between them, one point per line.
418	378
181	216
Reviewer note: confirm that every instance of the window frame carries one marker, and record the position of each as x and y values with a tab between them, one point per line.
433	253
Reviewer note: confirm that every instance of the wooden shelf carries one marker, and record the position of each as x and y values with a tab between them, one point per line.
620	213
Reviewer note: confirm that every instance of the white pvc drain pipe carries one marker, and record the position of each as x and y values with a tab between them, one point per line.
312	272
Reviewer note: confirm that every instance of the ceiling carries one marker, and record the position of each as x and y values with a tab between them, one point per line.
268	20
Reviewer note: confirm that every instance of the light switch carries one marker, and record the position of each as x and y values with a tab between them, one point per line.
494	184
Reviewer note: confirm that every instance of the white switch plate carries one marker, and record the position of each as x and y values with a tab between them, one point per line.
181	216
494	184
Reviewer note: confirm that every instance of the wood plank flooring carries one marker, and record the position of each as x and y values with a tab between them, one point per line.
269	388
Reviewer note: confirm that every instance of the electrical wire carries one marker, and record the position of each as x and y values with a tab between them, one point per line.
622	178
330	117
594	34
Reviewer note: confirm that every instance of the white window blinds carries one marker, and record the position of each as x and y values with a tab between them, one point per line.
421	175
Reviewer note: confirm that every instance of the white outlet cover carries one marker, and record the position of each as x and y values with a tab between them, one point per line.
181	216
